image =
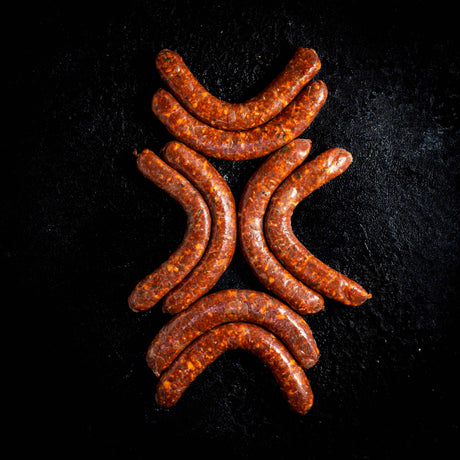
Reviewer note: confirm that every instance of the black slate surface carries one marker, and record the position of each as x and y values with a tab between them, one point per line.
81	226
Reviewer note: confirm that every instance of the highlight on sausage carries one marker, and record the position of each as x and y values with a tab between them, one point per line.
240	145
223	239
285	245
251	211
256	111
290	377
233	305
198	228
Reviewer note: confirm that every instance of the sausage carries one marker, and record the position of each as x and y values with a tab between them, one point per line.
288	249
171	272
251	210
303	66
222	242
240	145
229	306
207	348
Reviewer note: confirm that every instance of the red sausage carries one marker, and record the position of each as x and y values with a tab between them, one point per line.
229	306
222	242
252	206
207	348
288	249
303	66
241	145
171	272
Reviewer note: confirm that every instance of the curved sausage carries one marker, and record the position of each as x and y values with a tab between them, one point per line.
171	272
303	66
288	249
240	145
202	352
222	242
251	211
229	306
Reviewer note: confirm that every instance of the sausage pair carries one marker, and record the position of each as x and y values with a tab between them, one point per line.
251	211
229	319
252	129
288	249
210	238
278	259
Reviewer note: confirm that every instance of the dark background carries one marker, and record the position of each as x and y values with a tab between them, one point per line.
81	226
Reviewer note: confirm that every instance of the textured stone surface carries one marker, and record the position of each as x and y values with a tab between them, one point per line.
82	226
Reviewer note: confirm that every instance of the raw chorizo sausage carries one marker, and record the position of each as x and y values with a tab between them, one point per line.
303	66
251	210
222	242
240	145
288	249
171	272
207	348
229	306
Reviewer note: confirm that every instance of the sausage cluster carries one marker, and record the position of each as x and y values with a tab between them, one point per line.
271	326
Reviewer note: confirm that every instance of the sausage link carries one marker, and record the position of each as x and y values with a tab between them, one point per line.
222	242
303	66
171	272
206	349
252	206
240	145
288	249
229	306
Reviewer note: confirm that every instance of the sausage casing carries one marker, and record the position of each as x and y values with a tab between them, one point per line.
303	66
232	305
222	242
251	211
240	145
171	272
285	245
208	347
